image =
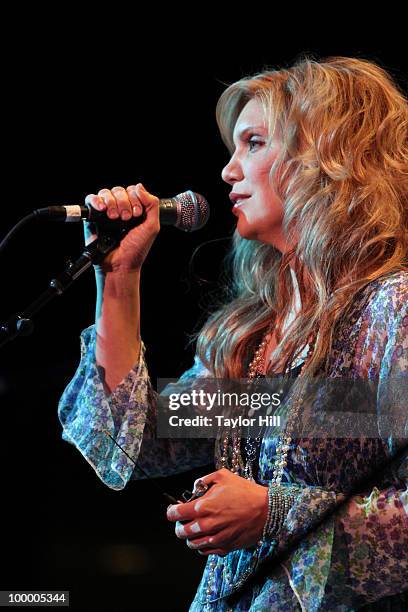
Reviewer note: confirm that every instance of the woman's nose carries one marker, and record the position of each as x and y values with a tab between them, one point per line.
232	172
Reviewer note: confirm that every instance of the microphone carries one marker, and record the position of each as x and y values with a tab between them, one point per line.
187	211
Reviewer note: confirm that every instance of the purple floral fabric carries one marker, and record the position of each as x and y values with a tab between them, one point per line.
340	549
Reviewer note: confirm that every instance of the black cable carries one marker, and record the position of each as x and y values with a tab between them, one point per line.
15	229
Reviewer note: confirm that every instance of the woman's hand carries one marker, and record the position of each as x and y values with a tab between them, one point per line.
229	516
119	202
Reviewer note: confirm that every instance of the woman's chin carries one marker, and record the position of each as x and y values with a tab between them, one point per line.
245	230
250	232
272	235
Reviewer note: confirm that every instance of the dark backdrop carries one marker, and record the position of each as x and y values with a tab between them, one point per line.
92	105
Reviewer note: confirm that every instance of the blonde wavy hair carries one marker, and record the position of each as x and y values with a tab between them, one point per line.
342	176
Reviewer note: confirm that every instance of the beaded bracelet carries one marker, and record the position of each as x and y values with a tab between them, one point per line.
280	501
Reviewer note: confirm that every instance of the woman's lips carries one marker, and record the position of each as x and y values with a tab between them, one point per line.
239	201
238	204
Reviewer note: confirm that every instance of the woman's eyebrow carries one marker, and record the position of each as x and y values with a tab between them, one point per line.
247	129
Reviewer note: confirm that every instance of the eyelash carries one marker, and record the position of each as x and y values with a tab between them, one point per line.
251	141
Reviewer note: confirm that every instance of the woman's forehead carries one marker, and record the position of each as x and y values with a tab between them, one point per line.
251	117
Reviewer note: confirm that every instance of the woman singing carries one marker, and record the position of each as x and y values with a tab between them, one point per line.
319	185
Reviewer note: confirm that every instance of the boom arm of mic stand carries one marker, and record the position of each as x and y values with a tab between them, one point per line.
21	324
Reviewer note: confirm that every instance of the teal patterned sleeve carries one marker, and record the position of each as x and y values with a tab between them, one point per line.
85	411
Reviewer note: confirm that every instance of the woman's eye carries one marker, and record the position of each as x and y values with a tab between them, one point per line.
253	143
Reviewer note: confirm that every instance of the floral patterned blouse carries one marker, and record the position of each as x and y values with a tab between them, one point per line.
339	549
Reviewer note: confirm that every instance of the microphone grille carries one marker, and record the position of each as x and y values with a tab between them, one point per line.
193	211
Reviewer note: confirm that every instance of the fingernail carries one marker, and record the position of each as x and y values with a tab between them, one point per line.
113	214
173	512
136	210
125	215
180	531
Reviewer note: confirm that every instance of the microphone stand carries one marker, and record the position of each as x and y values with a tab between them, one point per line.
21	324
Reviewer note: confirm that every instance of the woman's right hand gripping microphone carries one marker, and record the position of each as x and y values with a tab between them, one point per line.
121	203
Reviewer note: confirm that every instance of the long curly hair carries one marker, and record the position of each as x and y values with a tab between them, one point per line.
342	176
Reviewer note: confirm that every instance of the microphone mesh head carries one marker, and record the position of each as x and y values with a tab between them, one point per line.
192	211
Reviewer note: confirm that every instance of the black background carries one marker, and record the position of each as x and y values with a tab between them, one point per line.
93	103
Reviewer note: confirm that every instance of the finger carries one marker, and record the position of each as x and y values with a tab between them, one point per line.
193	530
110	203
137	207
183	512
183	531
213	551
151	204
122	202
198	544
95	201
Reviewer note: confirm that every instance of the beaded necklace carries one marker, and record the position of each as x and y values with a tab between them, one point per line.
233	446
255	369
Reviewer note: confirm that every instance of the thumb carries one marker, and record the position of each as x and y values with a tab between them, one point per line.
208	480
151	207
147	199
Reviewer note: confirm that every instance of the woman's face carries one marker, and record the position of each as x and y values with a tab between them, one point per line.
259	209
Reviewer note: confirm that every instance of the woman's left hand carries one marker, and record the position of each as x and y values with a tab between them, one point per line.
229	516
